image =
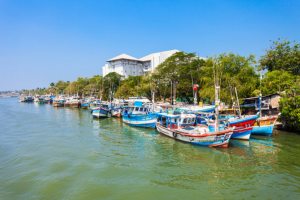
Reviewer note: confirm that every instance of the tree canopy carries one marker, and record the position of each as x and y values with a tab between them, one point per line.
282	55
233	71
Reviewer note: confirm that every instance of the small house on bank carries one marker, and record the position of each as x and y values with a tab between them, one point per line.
269	104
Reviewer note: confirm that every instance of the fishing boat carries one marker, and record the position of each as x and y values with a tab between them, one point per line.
26	99
67	102
103	111
47	99
116	111
264	125
40	99
95	104
75	102
183	127
139	115
243	126
58	102
117	107
85	103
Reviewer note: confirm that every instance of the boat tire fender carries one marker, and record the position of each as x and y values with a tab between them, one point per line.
174	134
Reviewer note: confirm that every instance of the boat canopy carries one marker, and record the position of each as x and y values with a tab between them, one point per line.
138	104
168	115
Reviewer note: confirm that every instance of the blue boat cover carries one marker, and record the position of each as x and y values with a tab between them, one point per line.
138	104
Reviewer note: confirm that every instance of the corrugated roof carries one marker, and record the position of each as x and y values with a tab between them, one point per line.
123	56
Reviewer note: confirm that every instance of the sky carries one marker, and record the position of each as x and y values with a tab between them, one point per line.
44	41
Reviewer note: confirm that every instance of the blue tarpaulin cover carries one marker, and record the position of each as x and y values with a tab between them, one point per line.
138	104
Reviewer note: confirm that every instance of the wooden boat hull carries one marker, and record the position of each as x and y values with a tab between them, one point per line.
266	130
55	104
116	113
264	126
220	139
243	127
101	113
85	105
242	133
147	121
75	105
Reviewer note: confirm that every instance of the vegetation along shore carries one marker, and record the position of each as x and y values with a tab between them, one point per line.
277	71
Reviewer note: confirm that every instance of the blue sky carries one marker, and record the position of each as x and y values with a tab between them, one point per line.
44	41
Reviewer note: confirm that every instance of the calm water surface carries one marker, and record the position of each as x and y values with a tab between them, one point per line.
60	153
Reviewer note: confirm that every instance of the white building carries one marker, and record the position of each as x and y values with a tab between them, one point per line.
126	65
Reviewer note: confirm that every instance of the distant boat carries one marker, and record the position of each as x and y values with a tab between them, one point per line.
58	103
75	102
103	111
67	102
116	111
95	104
26	99
183	127
117	107
85	103
139	115
264	125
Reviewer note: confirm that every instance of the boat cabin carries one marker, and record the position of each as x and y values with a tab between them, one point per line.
136	110
105	106
175	121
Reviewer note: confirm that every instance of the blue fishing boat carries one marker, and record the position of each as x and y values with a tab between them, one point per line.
95	104
103	111
139	115
264	125
85	103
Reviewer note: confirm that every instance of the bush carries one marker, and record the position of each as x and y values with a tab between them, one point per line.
290	112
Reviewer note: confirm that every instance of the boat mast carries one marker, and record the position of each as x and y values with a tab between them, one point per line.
238	103
217	100
153	93
260	96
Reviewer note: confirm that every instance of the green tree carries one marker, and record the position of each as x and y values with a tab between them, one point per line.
129	87
277	81
233	71
111	83
282	55
290	112
61	86
179	71
94	86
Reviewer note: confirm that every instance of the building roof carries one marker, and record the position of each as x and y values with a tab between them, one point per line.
123	57
150	56
252	98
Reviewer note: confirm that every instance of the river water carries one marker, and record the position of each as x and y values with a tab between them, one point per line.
61	153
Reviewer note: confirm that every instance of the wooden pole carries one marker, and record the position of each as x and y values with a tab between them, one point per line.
238	103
